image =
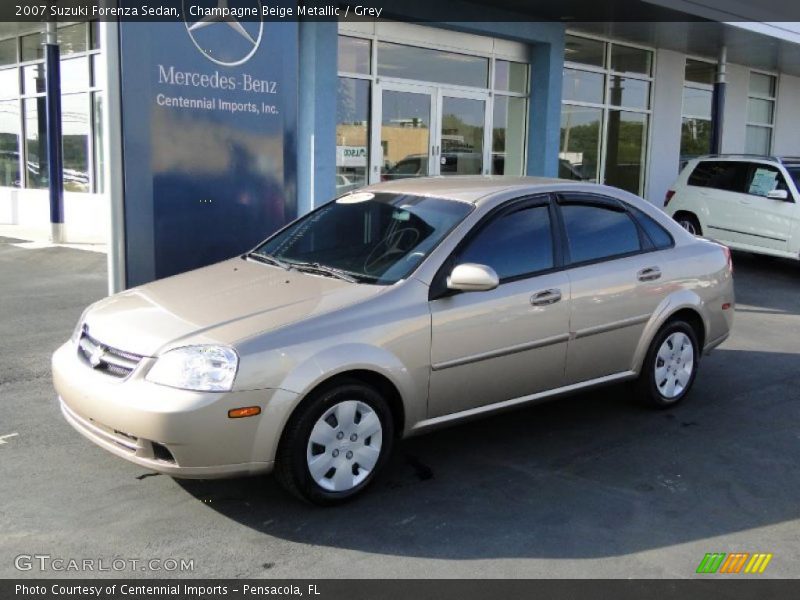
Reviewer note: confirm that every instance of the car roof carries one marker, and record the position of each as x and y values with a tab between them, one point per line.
467	188
786	160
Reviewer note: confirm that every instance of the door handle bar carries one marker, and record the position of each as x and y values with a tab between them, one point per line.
546	297
649	274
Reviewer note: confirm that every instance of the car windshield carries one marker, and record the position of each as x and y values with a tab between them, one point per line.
794	172
374	238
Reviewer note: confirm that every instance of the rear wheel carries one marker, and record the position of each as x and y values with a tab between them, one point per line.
670	366
689	222
336	444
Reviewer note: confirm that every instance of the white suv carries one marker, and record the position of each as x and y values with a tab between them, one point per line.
747	202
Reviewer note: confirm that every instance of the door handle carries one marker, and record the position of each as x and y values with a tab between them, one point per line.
546	297
649	274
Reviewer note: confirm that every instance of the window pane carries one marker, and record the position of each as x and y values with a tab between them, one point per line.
32	48
33	79
695	138
580	142
410	62
9	83
698	71
595	232
730	176
758	140
9	144
697	103
510	76
99	154
514	244
630	60
657	234
624	149
583	86
36	142
405	134
352	134
74	74
462	136
759	111
584	50
762	85
75	141
508	135
354	55
8	52
633	93
72	39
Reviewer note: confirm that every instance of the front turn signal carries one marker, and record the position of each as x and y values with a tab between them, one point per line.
247	411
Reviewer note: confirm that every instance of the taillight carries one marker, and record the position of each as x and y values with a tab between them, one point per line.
728	257
668	197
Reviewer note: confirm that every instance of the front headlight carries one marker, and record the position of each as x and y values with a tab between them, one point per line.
198	368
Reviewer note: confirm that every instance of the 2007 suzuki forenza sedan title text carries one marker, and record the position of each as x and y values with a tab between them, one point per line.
387	312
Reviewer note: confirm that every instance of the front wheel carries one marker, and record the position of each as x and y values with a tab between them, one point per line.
336	444
670	366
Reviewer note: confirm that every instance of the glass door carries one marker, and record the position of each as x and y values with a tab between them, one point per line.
420	131
405	143
462	148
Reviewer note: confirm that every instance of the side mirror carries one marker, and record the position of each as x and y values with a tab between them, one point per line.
470	277
778	195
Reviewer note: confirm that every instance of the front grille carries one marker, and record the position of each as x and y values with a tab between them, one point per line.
105	359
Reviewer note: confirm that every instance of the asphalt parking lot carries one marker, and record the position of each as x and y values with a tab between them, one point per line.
589	486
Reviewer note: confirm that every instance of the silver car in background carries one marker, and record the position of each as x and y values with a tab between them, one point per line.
387	312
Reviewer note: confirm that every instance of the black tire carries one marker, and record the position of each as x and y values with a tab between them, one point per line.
291	466
646	387
689	222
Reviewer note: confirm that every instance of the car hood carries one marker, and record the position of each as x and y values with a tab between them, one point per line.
223	303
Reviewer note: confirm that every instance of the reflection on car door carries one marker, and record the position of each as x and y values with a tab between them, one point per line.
509	342
615	285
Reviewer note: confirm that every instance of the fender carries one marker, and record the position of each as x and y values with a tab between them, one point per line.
669	306
328	363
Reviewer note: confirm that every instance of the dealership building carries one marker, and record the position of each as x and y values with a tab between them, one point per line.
186	141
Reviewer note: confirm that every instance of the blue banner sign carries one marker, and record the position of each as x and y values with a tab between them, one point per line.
209	115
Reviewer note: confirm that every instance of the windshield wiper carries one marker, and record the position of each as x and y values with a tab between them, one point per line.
324	270
268	259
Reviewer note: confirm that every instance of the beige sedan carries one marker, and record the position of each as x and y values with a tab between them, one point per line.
388	312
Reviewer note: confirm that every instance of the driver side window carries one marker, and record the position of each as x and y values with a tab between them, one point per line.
514	244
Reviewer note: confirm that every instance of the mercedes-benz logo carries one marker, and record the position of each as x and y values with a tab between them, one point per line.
229	48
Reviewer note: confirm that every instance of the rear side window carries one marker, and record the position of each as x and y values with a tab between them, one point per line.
595	232
513	244
725	175
658	235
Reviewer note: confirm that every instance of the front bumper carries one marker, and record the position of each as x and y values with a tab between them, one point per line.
177	432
